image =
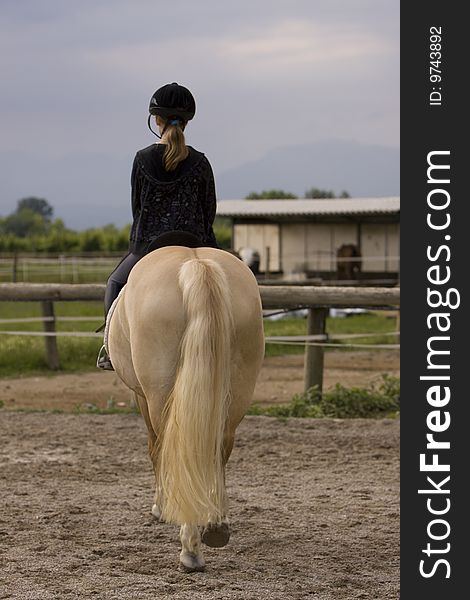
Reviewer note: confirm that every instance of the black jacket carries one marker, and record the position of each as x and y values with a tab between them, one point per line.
179	200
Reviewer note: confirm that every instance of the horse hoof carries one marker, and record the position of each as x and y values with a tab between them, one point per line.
191	563
156	512
216	536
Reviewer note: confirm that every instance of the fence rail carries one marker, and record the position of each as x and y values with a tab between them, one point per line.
78	268
317	299
272	296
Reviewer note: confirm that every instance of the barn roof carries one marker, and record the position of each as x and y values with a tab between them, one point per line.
335	206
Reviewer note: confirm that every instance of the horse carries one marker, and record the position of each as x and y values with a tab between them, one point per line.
251	258
186	336
347	266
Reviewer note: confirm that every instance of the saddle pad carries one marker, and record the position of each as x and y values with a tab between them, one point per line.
108	320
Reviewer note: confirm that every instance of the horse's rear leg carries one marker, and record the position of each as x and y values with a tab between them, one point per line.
141	402
191	558
152	438
217	535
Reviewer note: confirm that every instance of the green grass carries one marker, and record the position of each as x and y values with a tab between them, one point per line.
12	310
114	410
374	401
51	271
78	410
25	355
362	323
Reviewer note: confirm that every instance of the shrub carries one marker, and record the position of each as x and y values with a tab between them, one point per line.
372	401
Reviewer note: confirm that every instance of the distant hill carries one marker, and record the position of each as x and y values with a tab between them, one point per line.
363	170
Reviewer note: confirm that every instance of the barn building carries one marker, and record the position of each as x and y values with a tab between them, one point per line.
347	238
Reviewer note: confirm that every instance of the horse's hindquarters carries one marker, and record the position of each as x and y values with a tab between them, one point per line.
153	304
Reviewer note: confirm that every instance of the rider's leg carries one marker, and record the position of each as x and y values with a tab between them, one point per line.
118	279
116	282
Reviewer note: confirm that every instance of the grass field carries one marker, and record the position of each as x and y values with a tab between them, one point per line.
55	270
25	355
354	324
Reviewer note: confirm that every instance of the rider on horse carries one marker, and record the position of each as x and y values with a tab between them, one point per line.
172	191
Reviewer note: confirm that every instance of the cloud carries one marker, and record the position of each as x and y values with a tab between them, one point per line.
296	48
77	77
297	45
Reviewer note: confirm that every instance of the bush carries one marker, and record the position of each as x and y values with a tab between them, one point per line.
57	239
382	400
223	232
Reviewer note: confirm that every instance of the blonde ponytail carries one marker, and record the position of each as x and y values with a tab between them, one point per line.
176	149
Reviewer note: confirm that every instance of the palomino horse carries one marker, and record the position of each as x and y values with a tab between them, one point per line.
187	337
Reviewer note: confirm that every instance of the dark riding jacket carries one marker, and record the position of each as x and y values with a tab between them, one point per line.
179	200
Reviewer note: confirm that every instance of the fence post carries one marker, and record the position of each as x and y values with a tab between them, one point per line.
268	262
74	270
14	273
62	265
316	324
52	353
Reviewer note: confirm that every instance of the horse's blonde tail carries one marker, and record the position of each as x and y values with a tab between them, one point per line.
189	452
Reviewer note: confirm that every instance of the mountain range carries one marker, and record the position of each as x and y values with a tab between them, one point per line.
92	189
360	169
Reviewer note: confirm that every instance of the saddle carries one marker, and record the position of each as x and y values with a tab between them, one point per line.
175	238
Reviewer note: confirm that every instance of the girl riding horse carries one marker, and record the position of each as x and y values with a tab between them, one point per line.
172	191
187	332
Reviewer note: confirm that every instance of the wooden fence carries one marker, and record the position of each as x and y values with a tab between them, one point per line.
317	299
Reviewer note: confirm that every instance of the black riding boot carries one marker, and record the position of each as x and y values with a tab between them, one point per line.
112	291
114	285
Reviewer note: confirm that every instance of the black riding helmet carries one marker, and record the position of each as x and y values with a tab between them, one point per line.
172	102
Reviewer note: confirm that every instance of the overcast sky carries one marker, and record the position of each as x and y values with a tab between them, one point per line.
77	77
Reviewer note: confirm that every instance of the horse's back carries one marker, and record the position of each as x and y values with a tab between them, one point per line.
159	272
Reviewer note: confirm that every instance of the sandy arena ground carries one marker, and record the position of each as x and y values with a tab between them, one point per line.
314	511
314	503
281	377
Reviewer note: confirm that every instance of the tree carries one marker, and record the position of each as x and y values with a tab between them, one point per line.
271	195
31	218
319	193
24	223
39	206
223	232
92	240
